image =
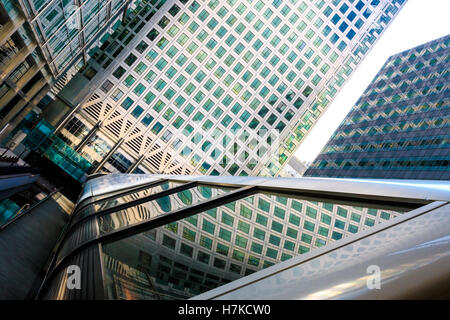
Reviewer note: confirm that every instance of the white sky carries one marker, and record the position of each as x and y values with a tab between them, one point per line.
418	22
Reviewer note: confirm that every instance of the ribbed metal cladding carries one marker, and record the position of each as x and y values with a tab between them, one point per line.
86	212
91	278
83	232
81	214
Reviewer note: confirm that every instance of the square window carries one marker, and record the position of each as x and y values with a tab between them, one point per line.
271	253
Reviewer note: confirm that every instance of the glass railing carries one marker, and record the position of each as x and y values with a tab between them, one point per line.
19	203
8	209
41	138
67	158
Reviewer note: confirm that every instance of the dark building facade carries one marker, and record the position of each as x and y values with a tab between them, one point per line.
399	128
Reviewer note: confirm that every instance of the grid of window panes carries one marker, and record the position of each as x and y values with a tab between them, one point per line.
21	62
66	27
196	254
309	118
400	127
220	83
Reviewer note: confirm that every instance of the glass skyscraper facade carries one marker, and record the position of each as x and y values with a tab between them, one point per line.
400	127
43	43
215	87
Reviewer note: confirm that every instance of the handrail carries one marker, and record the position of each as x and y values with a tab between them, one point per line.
24	207
18	216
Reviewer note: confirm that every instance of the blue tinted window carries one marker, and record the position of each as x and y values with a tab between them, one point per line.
127	103
351	15
343	8
367	13
335	19
206	166
211	43
351	34
327	11
147	119
334	38
138	171
276	3
326	31
137	112
336	235
120	162
157	128
301	45
359	5
186	151
359	23
385	19
343	26
342	46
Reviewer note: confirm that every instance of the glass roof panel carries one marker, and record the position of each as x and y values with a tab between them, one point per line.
204	251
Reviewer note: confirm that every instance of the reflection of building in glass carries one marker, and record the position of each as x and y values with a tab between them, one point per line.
42	44
172	239
399	128
295	168
234	240
217	87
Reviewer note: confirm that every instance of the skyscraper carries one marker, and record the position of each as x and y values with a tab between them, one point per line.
214	87
43	43
400	127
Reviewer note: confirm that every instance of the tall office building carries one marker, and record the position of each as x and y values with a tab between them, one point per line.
400	127
43	43
212	87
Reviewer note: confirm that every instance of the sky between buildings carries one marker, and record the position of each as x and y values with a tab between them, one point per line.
418	22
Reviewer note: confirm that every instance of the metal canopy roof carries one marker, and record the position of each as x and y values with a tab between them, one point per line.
416	191
413	246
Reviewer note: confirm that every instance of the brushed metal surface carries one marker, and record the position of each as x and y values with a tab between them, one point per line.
413	257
